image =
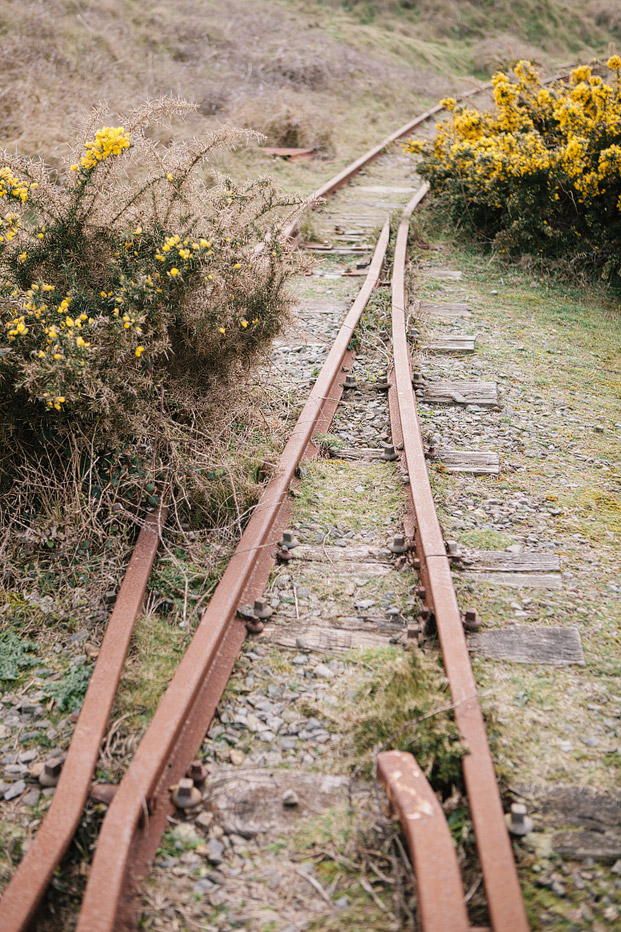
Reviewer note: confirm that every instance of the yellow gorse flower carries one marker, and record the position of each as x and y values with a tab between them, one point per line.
109	140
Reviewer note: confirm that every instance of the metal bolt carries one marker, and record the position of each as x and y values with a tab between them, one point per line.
51	772
416	564
254	626
417	379
382	381
290	798
388	453
262	609
197	772
421	592
518	822
398	544
185	795
289	541
350	381
452	548
472	622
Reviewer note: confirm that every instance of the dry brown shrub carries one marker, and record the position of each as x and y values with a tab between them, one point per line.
502	52
606	13
287	118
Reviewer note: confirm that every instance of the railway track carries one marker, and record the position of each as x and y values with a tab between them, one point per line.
141	805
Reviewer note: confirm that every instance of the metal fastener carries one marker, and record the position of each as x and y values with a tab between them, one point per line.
389	453
398	544
185	795
289	541
290	798
350	381
452	548
197	772
518	822
421	592
262	609
472	622
51	772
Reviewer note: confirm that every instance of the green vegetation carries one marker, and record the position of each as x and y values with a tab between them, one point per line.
541	174
69	692
403	706
16	654
126	292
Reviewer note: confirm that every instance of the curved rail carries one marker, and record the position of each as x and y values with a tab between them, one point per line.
24	892
127	840
440	892
504	897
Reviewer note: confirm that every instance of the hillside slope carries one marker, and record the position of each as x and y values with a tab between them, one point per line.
327	74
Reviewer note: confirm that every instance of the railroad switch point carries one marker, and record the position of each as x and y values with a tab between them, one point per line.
398	544
185	795
518	822
51	772
289	541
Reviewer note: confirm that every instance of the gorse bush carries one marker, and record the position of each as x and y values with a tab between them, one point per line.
542	173
129	291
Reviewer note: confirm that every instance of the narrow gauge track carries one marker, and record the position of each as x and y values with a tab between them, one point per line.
137	815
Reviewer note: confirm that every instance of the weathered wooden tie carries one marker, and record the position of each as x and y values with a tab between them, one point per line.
442	311
454	343
514	570
535	644
468	461
443	392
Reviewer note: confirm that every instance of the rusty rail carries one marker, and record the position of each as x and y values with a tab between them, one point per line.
440	892
24	892
137	815
505	903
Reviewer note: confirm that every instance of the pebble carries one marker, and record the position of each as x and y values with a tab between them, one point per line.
215	851
15	790
324	671
32	798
